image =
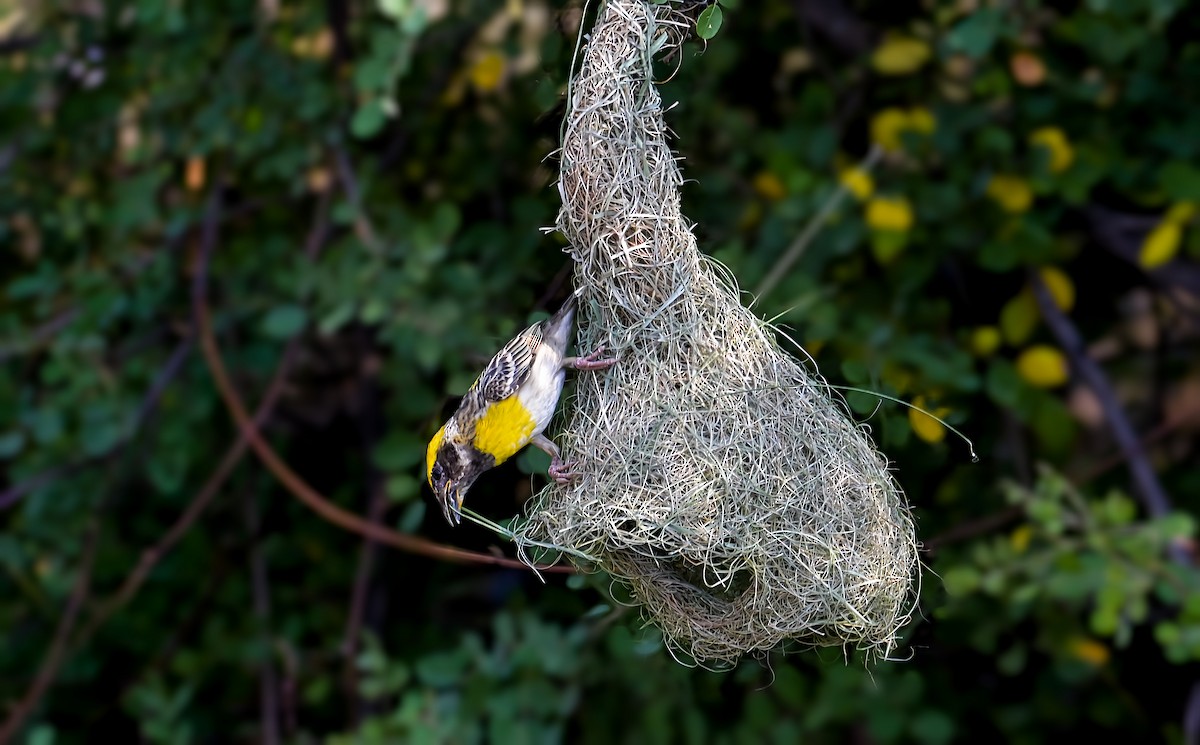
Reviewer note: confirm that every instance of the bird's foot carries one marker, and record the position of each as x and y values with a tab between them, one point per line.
593	361
561	471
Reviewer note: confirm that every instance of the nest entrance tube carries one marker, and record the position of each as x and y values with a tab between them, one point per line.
719	480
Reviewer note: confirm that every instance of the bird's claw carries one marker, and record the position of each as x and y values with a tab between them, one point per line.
594	361
561	471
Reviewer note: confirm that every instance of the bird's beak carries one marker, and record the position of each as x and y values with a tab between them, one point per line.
451	499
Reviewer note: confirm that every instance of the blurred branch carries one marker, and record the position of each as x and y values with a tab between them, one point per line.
1191	717
260	588
837	23
358	603
1146	482
351	186
56	652
16	492
150	401
973	528
315	501
168	373
152	556
1122	236
40	335
189	620
811	230
317	236
1162	431
370	426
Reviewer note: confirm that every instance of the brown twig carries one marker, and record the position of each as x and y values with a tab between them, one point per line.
837	23
40	335
56	652
1122	235
153	555
973	528
150	400
370	429
16	492
1145	481
350	185
1191	717
358	602
299	488
317	236
1162	431
260	588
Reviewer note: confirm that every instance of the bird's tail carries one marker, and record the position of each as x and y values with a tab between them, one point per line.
557	331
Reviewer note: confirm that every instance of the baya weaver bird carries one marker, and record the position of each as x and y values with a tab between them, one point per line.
507	408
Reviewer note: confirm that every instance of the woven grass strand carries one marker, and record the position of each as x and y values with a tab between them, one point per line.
720	480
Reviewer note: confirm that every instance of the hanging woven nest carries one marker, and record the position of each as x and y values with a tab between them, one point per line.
719	479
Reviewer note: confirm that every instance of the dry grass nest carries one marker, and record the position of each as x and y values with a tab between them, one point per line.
721	480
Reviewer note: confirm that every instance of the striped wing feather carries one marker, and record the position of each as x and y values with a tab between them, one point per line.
510	367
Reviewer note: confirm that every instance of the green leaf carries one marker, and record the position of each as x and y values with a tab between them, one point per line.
284	321
413	515
709	22
399	451
1180	181
441	669
961	580
11	443
369	119
932	726
401	487
42	734
976	34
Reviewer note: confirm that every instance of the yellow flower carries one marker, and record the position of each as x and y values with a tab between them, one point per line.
888	126
1054	140
927	427
487	72
985	340
1088	650
1012	193
1060	286
1042	366
900	55
768	185
890	213
1160	245
858	182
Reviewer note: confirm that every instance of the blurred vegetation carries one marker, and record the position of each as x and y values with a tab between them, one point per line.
382	171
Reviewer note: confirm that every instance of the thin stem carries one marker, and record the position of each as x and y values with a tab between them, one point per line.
56	653
811	230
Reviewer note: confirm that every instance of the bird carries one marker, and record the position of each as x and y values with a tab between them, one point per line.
507	408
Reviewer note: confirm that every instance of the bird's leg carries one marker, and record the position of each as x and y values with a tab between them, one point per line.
592	361
559	470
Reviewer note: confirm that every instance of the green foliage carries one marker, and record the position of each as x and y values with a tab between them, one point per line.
402	146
